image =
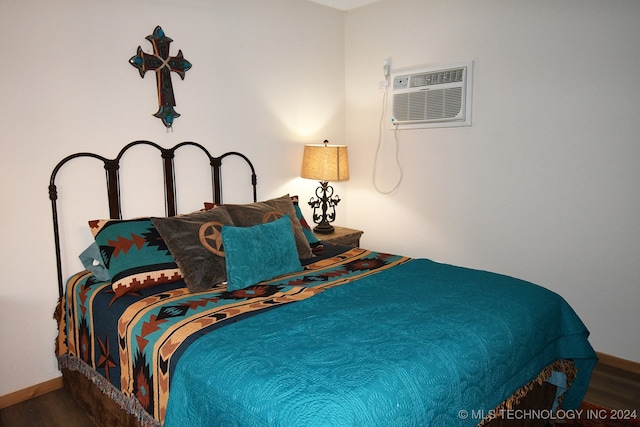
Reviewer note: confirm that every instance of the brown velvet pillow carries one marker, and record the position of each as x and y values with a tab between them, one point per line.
195	241
267	211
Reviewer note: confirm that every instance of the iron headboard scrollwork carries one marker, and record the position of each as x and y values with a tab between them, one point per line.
112	167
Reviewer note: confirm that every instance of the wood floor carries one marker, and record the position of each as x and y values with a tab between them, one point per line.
610	387
614	388
53	409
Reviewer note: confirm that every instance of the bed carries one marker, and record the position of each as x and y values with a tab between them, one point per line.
237	315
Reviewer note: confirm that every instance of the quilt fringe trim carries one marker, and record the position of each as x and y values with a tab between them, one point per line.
128	404
565	366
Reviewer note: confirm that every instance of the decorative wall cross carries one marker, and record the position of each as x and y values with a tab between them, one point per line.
162	63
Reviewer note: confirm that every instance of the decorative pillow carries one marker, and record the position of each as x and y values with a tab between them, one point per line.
195	240
306	229
260	252
134	254
92	260
262	212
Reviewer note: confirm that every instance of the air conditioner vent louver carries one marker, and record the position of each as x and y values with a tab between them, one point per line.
432	97
427	105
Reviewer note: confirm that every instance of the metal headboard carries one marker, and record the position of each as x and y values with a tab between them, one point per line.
112	167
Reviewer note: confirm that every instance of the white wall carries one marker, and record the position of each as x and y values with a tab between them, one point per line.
544	184
267	77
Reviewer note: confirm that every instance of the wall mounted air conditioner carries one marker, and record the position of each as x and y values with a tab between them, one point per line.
428	97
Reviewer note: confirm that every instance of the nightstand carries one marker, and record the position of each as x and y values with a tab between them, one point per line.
342	236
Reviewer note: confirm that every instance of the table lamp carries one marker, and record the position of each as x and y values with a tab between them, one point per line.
325	162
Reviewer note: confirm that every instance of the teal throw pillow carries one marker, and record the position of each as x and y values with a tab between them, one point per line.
92	260
260	252
267	211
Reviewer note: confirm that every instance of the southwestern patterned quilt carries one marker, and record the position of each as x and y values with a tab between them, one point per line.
359	338
134	341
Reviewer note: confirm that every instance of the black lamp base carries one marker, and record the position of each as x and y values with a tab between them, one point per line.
325	200
323	228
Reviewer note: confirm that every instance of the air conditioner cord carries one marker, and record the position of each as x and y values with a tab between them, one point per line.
395	134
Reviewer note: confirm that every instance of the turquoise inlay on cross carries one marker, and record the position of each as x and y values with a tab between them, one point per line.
162	63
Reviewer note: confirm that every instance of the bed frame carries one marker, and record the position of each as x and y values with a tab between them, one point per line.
112	167
102	402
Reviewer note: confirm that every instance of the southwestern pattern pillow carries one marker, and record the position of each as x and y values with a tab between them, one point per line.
270	210
134	254
195	240
306	229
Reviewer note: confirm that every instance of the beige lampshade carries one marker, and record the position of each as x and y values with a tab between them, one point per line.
325	162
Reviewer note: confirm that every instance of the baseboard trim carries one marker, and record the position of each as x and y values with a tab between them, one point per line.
30	392
617	362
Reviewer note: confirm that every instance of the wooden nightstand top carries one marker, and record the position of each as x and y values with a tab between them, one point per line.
342	236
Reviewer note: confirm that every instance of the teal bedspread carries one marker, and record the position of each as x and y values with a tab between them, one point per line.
415	345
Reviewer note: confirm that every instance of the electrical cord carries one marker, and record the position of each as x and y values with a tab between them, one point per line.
395	133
